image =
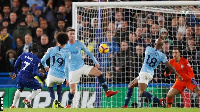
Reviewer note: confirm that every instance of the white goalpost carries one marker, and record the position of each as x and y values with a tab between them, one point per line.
128	28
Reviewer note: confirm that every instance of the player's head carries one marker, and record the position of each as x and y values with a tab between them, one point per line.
33	48
159	43
62	38
176	53
71	34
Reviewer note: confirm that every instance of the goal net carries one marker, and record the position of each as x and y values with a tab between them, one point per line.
128	28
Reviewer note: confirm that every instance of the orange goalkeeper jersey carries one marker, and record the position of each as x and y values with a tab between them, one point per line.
183	68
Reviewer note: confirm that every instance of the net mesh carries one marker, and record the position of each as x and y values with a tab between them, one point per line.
128	31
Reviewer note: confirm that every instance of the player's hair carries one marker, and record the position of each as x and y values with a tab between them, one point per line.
70	29
33	48
62	38
176	48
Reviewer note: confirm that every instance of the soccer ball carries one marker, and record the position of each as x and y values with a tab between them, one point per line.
103	48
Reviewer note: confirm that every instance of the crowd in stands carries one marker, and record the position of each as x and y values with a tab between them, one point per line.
127	32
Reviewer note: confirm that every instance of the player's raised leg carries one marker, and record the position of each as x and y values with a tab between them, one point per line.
129	93
172	92
95	72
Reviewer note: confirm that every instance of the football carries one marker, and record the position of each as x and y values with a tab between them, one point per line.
103	48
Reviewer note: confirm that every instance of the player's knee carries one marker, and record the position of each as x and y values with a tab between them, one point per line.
169	96
98	73
72	91
141	92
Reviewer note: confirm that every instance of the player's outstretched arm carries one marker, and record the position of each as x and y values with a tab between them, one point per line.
173	70
85	49
44	58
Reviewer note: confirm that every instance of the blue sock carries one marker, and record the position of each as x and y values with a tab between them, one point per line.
70	98
103	82
51	92
150	97
59	92
155	100
147	95
128	95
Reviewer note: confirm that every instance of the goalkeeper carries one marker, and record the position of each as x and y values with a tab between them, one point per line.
183	67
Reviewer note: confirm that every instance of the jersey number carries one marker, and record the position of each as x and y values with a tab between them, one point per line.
59	60
153	61
26	64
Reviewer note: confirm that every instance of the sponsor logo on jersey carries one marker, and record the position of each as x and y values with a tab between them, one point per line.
182	66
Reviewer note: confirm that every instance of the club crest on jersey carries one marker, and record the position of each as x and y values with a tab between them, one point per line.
182	66
76	47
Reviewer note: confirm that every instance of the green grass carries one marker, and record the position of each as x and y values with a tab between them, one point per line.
103	110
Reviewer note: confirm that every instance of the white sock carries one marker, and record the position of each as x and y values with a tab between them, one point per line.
33	94
16	97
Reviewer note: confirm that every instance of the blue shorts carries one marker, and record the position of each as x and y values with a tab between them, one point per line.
29	83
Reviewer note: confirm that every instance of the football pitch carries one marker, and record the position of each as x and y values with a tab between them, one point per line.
103	110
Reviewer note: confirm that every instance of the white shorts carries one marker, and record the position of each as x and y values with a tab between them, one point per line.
51	80
144	77
74	76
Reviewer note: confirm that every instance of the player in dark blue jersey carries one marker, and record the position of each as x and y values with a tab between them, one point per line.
25	76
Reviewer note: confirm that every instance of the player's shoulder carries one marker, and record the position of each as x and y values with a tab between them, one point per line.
182	59
172	60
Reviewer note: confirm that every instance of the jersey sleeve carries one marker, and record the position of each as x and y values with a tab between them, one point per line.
85	49
164	58
189	68
35	68
67	67
17	64
45	57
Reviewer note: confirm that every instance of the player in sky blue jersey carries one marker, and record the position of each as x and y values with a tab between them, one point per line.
59	65
153	57
25	76
77	67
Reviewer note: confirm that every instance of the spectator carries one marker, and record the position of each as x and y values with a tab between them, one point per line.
123	33
54	41
43	46
30	23
154	31
189	32
118	20
6	11
6	43
68	6
28	42
161	22
25	11
164	35
132	41
105	59
111	27
61	26
20	46
22	30
13	22
46	29
39	3
16	7
190	52
5	23
182	25
147	40
180	42
123	64
5	34
138	33
173	28
197	32
10	60
138	57
39	33
50	14
37	13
